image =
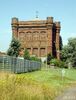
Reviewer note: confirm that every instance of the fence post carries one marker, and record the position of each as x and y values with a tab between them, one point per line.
3	63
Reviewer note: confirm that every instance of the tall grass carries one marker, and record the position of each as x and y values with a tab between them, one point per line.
38	85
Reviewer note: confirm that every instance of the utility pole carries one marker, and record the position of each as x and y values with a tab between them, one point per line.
46	49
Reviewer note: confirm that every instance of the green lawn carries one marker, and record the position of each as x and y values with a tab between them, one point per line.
37	85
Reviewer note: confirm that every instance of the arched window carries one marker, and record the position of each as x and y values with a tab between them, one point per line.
28	36
35	35
43	35
21	36
42	52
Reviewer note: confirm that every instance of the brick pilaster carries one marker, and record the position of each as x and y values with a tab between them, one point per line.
14	27
57	39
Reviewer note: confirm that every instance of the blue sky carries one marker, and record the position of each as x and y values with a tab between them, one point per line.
62	10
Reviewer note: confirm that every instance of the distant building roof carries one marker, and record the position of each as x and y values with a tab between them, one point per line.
2	53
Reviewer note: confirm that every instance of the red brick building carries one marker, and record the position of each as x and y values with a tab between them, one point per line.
40	37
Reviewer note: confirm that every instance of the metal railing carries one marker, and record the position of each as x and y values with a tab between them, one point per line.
18	65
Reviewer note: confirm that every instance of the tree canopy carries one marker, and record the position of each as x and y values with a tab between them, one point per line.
14	48
60	44
69	52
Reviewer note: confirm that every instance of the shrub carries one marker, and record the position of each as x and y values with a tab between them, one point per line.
35	59
57	63
49	57
26	54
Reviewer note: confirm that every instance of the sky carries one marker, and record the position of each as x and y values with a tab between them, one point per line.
61	10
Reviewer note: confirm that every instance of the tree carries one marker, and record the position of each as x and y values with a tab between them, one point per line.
64	53
26	55
14	48
69	51
60	44
49	57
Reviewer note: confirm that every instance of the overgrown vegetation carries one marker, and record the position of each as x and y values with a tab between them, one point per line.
38	85
54	61
28	57
69	52
57	63
68	55
15	48
26	54
35	59
49	58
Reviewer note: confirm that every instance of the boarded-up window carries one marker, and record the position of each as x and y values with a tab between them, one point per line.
28	36
42	52
43	35
21	36
29	50
35	35
35	51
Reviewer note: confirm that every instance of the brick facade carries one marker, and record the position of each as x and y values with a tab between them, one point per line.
40	37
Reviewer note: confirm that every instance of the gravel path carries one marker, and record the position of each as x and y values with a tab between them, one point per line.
69	94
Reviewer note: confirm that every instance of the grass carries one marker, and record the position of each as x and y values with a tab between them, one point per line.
37	85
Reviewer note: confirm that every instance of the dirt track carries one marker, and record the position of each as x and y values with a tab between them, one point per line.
69	94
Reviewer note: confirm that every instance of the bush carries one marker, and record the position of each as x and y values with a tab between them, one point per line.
35	59
49	57
26	55
57	63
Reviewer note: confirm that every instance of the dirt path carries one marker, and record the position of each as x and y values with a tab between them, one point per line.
69	94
